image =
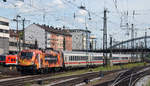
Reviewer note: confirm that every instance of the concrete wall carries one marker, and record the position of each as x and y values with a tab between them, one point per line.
4	35
33	32
79	40
4	45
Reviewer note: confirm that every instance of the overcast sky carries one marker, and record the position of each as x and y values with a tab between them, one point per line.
66	12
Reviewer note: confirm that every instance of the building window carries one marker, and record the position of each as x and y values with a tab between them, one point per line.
4	31
4	23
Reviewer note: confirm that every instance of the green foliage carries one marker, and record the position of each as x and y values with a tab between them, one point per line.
115	67
148	83
21	34
27	84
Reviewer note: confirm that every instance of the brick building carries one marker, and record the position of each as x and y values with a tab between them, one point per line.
49	37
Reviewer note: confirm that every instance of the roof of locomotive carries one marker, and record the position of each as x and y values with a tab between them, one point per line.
31	50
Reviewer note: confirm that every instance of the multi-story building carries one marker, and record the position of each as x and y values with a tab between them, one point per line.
49	37
80	39
4	35
16	44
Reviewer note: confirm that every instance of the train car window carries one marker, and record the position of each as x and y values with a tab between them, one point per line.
51	59
80	58
75	58
83	57
70	58
97	58
124	58
2	58
12	60
114	58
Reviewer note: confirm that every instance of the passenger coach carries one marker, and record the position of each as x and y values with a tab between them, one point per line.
82	59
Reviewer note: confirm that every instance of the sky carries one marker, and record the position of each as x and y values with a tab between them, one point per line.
59	13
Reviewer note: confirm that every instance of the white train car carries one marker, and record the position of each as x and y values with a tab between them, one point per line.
96	59
120	58
82	59
75	59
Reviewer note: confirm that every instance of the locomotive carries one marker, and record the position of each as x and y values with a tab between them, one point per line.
38	61
8	60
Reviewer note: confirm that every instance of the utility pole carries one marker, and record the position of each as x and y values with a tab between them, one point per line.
23	21
145	40
64	43
132	42
18	16
111	48
95	44
86	30
23	28
105	37
132	36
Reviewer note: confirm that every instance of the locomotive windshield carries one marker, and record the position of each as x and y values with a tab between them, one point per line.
26	55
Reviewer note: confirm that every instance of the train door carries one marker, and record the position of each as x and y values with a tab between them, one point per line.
88	56
39	60
91	59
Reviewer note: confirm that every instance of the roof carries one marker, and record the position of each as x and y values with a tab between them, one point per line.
4	19
78	30
54	30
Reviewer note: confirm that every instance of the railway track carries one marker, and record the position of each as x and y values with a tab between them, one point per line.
128	78
21	80
78	79
122	79
55	81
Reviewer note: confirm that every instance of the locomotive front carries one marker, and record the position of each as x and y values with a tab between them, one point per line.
27	60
